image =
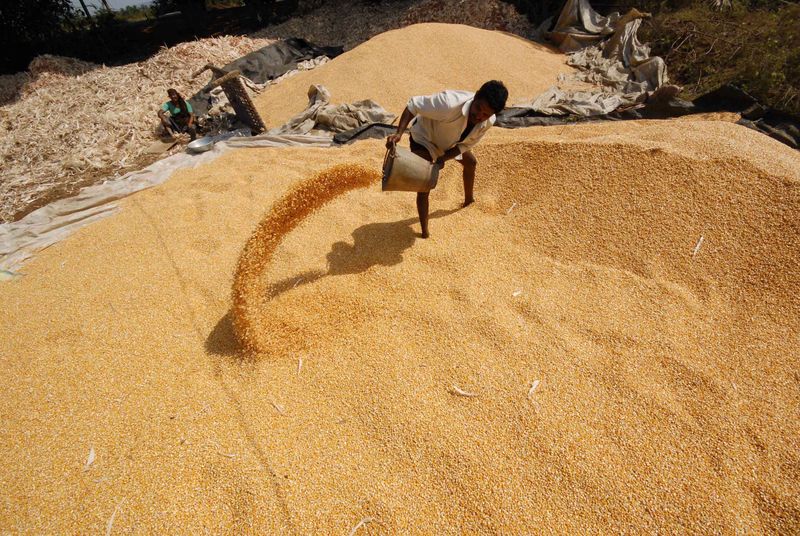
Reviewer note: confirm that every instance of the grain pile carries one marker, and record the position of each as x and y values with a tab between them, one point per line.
75	123
629	337
622	300
390	68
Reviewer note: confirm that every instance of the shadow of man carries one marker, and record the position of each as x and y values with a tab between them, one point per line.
374	244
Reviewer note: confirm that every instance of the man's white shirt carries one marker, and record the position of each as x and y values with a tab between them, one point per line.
440	119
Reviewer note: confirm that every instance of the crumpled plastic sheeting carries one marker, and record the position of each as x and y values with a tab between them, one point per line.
557	102
579	26
321	115
20	240
622	62
281	140
608	54
662	103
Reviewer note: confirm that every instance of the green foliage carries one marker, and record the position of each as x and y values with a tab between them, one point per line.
755	44
31	25
135	13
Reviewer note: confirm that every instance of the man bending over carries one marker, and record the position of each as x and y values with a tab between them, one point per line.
447	125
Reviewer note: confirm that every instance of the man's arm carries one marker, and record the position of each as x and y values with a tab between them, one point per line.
405	119
448	155
162	116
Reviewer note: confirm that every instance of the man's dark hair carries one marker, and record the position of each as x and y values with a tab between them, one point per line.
495	94
181	103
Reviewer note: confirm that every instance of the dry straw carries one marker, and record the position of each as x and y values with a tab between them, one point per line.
74	123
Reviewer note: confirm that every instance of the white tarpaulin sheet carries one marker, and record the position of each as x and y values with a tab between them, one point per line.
21	239
314	127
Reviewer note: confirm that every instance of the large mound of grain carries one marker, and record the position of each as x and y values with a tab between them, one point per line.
666	371
605	341
418	60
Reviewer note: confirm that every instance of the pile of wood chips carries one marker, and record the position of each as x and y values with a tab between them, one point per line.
74	123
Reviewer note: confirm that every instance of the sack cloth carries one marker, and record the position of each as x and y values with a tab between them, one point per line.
321	115
267	63
608	54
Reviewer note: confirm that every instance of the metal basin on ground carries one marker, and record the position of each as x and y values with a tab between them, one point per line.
200	145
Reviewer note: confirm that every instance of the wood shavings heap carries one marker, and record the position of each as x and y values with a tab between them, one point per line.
75	123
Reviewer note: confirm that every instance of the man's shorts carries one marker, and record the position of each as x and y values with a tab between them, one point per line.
419	149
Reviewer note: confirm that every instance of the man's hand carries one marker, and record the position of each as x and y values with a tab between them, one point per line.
392	140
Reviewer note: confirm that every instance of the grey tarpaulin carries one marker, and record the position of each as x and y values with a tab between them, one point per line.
267	63
660	104
608	54
321	115
282	140
557	102
373	130
579	26
621	63
779	125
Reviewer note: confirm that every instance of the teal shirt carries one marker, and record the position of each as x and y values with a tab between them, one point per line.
175	110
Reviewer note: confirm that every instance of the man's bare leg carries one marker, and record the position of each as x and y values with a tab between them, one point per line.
422	197
422	210
168	130
469	163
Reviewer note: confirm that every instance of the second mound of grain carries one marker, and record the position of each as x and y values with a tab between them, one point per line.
418	60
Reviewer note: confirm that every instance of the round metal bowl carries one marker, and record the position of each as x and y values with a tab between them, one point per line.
201	145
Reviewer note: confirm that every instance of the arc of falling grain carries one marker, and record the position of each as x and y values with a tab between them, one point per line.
300	202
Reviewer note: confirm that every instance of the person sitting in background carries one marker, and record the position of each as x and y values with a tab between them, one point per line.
447	125
177	116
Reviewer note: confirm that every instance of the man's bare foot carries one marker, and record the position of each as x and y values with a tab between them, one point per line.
468	202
